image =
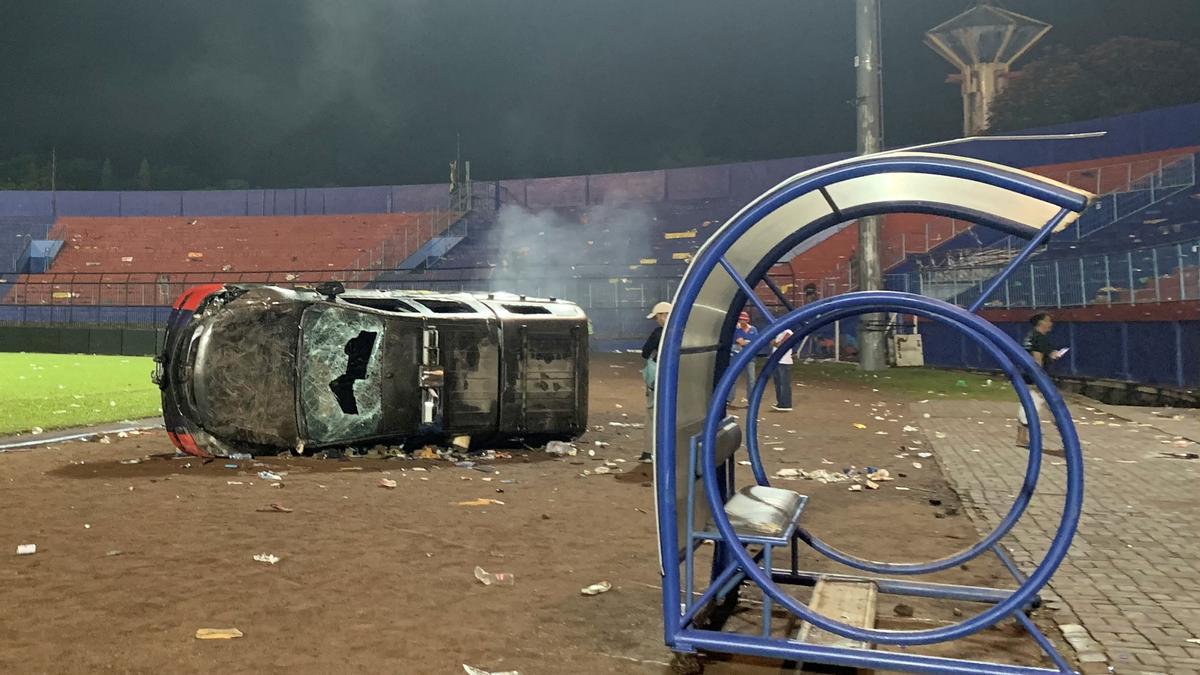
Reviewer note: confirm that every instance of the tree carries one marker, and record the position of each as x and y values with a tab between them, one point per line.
1123	75
143	175
108	181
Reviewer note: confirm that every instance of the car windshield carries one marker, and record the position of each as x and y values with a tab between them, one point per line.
340	383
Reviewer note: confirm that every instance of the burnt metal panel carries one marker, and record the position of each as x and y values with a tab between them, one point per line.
470	356
544	376
401	370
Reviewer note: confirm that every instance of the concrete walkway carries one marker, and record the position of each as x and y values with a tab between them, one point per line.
1128	594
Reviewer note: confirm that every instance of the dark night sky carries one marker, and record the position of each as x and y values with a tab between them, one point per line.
315	92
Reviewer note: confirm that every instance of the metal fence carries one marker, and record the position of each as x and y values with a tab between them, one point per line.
1167	273
133	299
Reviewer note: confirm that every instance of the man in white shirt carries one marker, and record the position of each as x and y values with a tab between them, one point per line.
782	377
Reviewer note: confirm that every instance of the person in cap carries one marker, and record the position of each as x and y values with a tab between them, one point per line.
743	333
659	313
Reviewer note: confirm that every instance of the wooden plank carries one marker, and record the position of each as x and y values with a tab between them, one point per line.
850	602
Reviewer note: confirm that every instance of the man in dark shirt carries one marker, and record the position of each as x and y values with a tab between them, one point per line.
1037	343
659	313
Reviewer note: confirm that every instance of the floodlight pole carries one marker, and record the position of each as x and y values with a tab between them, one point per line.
868	77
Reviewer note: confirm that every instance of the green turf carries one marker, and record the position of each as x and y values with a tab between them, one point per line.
65	390
915	382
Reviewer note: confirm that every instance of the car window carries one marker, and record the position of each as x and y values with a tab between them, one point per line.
340	381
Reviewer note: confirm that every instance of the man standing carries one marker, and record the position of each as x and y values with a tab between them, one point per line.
1037	343
659	313
742	334
782	377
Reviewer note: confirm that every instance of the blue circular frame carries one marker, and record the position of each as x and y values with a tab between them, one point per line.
887	301
1032	470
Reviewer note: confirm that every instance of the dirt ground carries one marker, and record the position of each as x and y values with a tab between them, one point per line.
133	558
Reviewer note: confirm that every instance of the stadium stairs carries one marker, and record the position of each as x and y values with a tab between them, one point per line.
1159	206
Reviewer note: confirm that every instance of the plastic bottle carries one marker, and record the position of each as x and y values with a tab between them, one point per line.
496	579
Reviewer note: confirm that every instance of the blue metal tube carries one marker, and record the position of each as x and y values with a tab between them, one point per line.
1043	642
748	290
1021	502
791	650
1009	563
885	301
718	587
1018	260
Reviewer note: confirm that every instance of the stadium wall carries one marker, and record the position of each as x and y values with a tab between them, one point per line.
125	341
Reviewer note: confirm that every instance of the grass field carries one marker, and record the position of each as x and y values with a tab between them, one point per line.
66	390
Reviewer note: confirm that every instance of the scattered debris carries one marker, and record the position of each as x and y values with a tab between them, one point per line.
858	425
482	501
596	589
26	549
497	579
275	508
114	552
270	476
267	558
131	461
856	487
218	633
1180	455
561	449
471	670
881	476
903	610
387	483
463	442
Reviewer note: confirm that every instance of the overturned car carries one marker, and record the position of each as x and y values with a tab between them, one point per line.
261	369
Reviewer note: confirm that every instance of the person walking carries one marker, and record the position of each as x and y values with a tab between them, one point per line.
1037	343
659	313
742	334
782	377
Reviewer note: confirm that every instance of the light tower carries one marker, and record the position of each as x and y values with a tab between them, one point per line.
982	43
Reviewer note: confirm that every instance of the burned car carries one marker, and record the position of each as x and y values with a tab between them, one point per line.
261	369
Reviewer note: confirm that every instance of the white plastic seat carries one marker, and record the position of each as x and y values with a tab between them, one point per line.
758	511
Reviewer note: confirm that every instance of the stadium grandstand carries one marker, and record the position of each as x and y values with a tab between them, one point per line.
1124	280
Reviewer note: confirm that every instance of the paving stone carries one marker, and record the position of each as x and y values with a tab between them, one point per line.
1130	585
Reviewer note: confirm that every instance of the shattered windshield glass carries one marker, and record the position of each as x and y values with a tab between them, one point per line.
340	390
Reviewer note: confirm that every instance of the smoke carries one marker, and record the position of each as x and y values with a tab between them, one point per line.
549	252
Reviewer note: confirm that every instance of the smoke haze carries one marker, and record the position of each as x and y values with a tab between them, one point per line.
286	93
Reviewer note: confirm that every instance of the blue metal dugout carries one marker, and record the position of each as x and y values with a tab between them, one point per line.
696	442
